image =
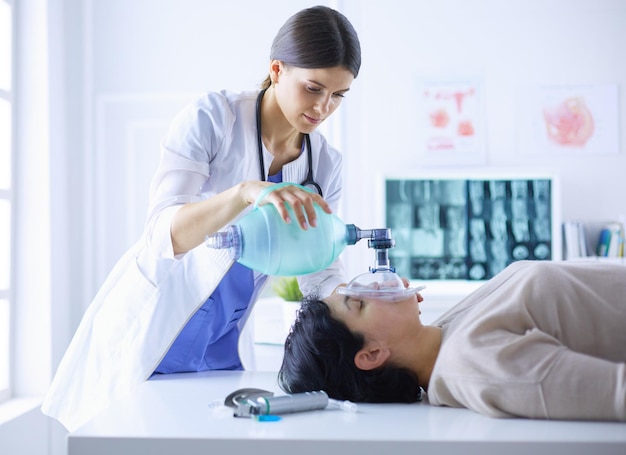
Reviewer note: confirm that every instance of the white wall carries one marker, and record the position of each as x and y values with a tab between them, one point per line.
512	47
120	70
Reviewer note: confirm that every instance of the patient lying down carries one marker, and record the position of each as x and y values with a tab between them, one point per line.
541	340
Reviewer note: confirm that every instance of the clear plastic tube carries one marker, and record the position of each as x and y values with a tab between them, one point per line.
346	405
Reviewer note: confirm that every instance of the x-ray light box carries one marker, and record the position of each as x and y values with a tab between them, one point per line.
469	224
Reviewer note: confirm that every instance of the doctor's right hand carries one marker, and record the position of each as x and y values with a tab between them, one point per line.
284	195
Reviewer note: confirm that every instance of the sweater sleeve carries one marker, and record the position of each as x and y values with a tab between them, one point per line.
532	375
585	387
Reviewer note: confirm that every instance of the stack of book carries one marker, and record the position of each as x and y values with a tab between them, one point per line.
582	239
575	240
611	241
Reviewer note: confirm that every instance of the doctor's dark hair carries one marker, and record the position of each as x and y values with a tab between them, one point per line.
319	355
317	37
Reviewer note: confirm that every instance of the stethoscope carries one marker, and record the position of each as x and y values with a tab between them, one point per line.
308	181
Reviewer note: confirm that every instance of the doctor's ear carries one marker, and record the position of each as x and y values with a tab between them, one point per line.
371	358
276	69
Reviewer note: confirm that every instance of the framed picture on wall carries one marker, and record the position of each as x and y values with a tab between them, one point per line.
578	119
451	121
469	224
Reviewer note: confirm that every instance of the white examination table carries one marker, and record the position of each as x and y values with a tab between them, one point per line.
173	414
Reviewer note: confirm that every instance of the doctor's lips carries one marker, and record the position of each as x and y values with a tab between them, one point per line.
313	120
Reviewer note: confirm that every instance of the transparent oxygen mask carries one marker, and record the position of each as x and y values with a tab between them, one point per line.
379	285
381	282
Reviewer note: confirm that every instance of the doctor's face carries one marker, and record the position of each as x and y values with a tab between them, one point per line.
307	97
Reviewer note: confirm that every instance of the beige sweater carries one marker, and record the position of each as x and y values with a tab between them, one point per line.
540	340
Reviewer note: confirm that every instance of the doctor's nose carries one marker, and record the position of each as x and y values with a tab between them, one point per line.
323	106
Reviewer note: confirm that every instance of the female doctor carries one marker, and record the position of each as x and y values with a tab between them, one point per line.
171	304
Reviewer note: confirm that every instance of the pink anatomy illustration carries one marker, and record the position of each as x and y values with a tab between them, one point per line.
439	118
465	128
451	111
569	123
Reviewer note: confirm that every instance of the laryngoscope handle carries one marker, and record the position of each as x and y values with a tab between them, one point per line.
284	404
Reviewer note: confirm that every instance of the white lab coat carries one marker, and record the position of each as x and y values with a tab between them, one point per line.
150	294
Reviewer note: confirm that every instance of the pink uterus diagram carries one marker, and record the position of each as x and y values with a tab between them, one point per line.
448	117
569	123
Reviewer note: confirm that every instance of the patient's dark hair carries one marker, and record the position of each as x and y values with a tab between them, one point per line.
319	355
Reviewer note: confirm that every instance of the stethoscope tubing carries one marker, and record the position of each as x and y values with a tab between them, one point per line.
308	181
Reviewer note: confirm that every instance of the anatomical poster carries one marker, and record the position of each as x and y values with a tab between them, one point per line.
451	121
572	119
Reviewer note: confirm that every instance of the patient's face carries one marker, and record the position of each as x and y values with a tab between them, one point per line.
376	319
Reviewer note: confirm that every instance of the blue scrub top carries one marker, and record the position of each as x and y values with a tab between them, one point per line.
209	341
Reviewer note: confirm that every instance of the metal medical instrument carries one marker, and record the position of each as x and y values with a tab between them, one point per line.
256	402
